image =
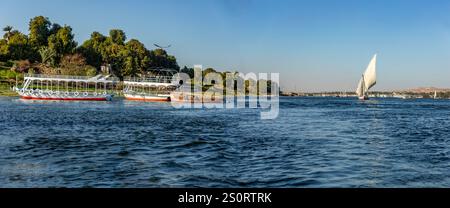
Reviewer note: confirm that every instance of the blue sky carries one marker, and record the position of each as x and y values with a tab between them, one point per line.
315	45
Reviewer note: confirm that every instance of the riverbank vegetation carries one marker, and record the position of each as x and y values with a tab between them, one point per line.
50	48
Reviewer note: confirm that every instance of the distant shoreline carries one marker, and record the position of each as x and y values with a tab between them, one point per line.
418	93
404	94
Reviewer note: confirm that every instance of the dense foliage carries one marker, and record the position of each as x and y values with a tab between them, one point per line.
49	46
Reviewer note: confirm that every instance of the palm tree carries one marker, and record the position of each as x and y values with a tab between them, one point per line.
7	31
47	54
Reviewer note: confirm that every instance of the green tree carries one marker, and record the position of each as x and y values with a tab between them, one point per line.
54	29
18	47
117	36
112	53
3	50
39	28
137	56
129	67
160	59
91	49
126	58
7	31
98	38
62	42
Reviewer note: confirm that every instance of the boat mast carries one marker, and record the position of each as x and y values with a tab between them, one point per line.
363	87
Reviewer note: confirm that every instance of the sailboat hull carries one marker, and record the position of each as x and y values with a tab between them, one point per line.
363	98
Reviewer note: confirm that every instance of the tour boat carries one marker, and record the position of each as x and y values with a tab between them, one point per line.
154	87
368	80
188	97
67	88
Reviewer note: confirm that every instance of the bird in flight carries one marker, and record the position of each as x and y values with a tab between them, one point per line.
162	47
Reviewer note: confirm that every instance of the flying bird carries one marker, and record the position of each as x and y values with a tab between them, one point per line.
162	47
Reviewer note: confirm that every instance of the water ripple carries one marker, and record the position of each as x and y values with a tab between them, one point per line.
315	142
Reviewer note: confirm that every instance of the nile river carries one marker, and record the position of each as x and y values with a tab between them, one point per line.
315	142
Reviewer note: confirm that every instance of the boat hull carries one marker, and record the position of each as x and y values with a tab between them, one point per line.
194	98
64	96
363	98
148	98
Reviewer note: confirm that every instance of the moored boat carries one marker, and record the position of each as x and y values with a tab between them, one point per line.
202	97
67	88
153	88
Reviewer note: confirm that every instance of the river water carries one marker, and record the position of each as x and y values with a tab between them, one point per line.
315	142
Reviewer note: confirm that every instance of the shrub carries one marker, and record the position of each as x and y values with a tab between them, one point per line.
7	74
44	69
90	71
75	64
21	66
73	60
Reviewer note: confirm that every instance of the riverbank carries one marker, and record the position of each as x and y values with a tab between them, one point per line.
5	90
7	78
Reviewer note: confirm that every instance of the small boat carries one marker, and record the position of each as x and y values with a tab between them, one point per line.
368	80
156	87
435	95
67	88
202	97
150	89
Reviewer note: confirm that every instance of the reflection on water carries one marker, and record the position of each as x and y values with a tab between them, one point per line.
315	142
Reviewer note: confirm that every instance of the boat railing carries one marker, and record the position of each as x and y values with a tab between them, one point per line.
70	77
155	79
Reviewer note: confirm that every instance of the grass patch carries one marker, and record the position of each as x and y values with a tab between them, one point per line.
7	77
6	74
5	90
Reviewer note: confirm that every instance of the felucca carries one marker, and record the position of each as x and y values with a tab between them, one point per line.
368	80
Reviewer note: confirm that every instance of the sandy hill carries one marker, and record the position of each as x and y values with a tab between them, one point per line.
426	90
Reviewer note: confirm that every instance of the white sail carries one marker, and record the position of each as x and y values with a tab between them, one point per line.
360	91
369	78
